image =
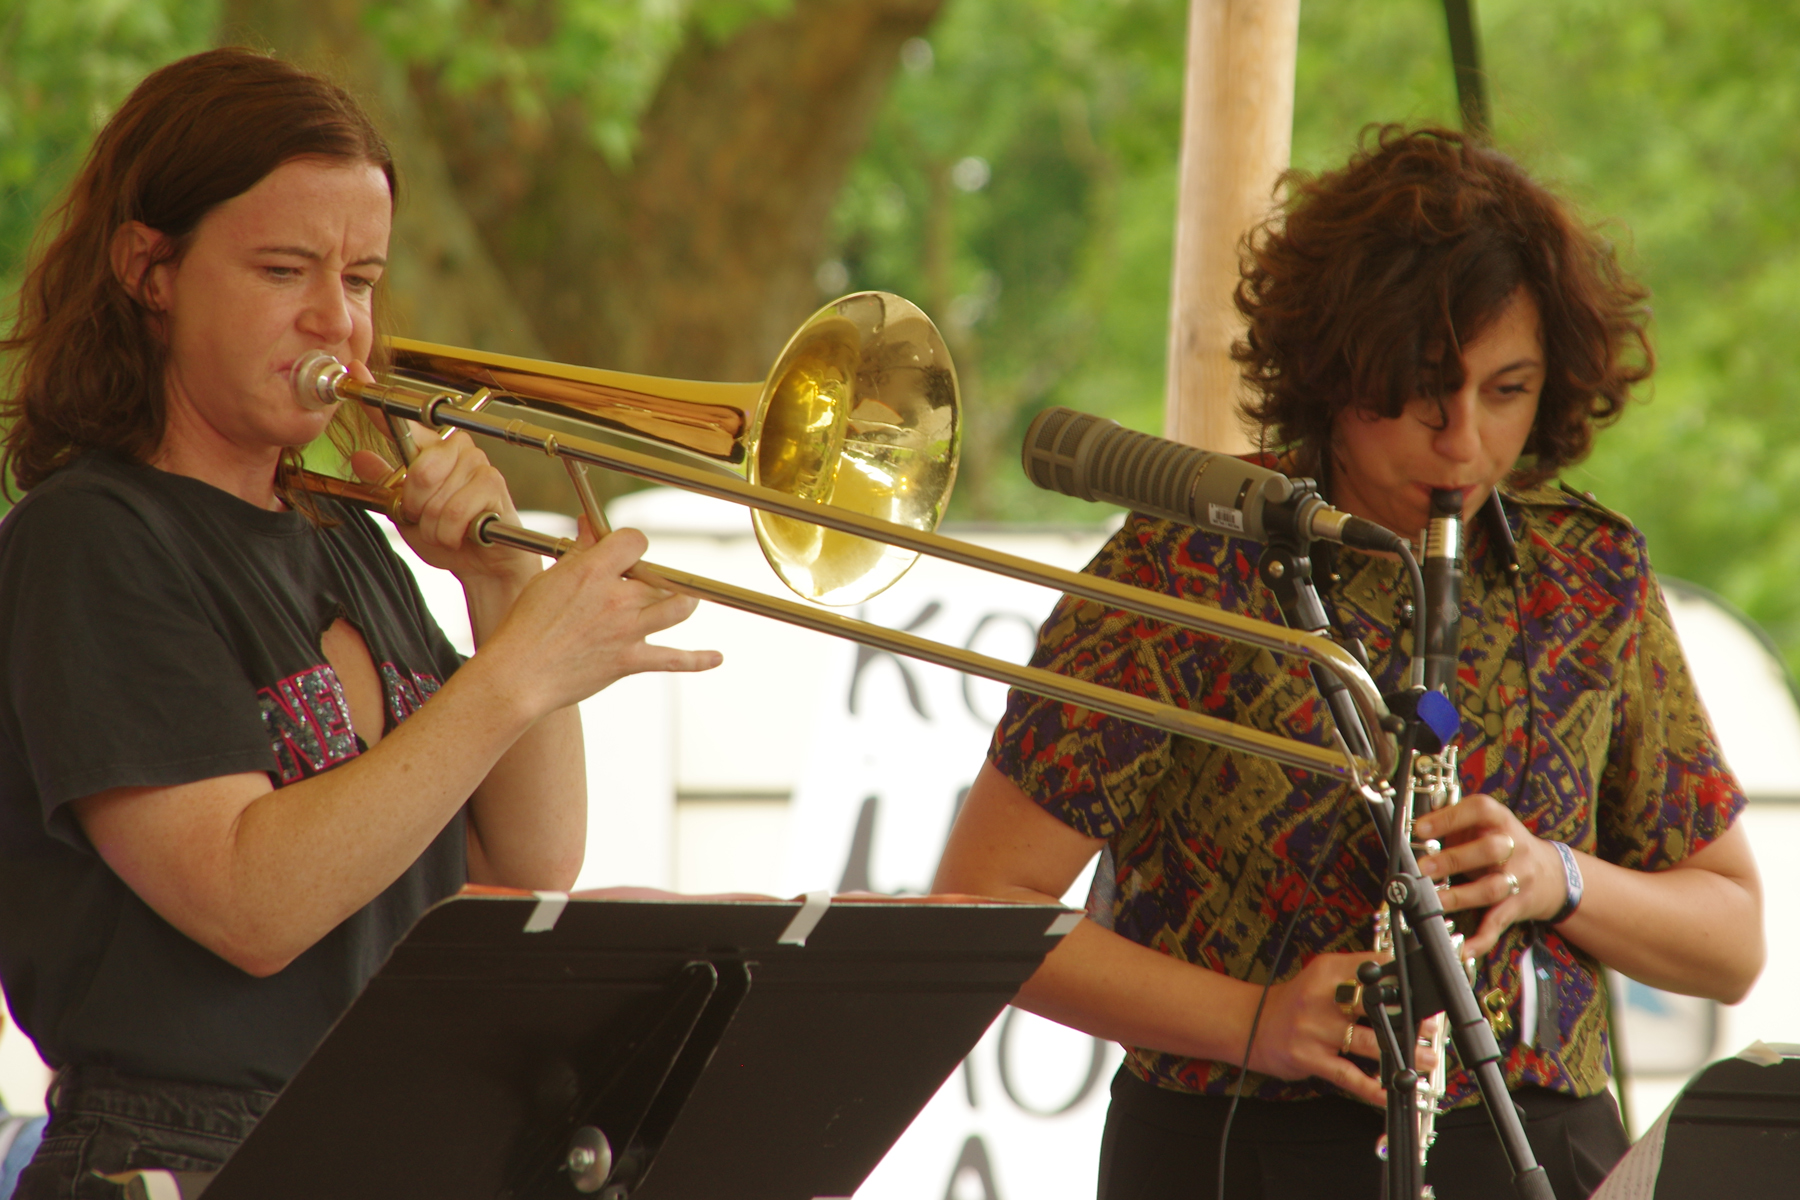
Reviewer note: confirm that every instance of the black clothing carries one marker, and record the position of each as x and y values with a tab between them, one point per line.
1576	1141
105	1123
154	631
1162	1144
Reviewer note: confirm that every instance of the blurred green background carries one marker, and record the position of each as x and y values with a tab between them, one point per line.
1010	165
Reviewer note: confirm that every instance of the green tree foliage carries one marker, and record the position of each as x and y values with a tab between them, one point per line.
1021	185
64	66
608	55
1682	122
1021	188
1671	123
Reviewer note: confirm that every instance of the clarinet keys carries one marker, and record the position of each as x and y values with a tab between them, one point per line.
1499	1012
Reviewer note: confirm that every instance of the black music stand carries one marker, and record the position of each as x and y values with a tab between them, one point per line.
737	1047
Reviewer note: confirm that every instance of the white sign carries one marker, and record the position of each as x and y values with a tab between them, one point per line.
896	747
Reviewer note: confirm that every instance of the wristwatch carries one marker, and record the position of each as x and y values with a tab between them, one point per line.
1572	878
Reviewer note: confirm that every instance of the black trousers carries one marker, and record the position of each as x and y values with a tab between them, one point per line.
1163	1145
105	1123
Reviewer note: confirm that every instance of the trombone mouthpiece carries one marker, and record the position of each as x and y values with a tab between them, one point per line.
315	378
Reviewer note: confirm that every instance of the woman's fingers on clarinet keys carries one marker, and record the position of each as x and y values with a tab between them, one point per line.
1479	836
1502	867
1478	833
1303	1032
1360	1041
1364	1044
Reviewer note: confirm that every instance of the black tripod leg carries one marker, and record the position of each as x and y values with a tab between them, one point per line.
1400	1172
1469	1029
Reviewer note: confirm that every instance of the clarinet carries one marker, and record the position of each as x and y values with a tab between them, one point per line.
1434	782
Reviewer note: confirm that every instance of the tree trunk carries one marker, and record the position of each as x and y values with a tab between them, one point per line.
697	259
694	260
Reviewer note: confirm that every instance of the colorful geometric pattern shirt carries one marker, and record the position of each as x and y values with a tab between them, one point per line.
1578	712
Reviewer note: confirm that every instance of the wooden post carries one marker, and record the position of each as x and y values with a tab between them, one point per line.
1236	132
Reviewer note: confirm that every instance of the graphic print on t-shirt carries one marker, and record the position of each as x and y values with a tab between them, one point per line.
405	693
308	721
308	718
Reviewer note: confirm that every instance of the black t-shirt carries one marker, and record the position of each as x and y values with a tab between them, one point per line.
155	630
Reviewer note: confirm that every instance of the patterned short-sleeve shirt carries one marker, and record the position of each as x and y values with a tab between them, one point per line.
1578	712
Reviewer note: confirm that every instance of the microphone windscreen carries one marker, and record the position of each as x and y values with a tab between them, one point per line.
1053	448
1093	458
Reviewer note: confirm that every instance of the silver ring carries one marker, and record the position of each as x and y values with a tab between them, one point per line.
1512	884
1349	1033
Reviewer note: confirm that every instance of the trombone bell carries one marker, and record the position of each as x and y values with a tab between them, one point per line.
860	412
857	430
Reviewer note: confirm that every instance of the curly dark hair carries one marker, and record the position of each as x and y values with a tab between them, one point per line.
1358	291
86	361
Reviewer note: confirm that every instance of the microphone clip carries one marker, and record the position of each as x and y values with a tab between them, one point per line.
1289	522
1305	516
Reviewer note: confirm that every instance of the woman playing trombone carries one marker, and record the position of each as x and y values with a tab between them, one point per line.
237	757
1426	318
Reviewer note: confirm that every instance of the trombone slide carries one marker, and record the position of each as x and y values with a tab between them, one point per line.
1170	718
322	380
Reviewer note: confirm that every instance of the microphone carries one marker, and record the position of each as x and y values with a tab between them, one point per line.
1093	458
1442	569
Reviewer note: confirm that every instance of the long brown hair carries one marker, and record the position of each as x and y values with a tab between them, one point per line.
86	362
1358	295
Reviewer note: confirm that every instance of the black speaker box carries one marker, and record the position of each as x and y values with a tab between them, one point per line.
1735	1132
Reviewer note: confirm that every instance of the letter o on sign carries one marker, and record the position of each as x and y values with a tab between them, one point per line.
1096	1063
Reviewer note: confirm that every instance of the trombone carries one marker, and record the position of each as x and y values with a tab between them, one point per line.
846	454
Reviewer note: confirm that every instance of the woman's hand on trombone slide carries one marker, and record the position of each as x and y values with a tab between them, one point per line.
575	628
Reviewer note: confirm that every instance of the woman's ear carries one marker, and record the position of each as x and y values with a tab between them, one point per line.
137	252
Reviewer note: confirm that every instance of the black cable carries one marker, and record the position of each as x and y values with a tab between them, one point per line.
1415	579
1274	972
1465	61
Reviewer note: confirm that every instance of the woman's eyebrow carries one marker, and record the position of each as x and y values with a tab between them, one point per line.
366	260
1514	366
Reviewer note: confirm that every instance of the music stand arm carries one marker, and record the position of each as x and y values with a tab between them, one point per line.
619	1121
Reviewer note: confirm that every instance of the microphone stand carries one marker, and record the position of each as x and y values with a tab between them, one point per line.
1425	976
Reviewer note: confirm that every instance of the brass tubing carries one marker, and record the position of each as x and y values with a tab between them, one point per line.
1167	717
430	408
